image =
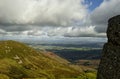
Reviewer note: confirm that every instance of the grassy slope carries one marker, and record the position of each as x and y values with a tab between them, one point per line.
19	61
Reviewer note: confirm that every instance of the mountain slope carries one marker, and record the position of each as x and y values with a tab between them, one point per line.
18	61
56	57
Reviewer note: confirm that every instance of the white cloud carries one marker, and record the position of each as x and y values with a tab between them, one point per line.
101	14
72	31
37	17
41	12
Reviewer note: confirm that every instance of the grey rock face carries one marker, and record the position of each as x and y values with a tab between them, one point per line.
109	67
113	31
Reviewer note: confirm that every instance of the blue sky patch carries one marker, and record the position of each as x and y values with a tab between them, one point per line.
93	4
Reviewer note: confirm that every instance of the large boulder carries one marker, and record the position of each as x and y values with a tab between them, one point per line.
109	67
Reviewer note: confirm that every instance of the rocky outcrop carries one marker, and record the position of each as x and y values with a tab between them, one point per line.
109	67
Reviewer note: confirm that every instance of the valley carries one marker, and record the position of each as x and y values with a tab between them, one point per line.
86	54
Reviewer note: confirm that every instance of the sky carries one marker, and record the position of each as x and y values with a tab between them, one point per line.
93	4
56	18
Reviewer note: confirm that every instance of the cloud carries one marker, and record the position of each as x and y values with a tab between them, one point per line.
2	32
84	32
41	12
73	31
67	18
101	14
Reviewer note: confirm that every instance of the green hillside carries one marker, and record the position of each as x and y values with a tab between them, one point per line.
18	61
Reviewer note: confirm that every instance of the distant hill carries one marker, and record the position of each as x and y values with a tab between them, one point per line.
73	55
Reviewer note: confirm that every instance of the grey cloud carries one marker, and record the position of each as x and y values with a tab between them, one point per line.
72	31
101	14
101	28
18	28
